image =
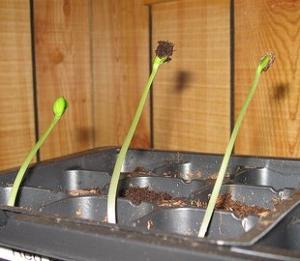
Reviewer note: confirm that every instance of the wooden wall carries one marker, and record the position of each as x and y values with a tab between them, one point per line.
17	132
272	125
191	100
63	67
120	57
97	54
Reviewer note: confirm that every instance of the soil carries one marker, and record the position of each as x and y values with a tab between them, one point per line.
241	210
182	202
164	49
85	192
225	202
137	195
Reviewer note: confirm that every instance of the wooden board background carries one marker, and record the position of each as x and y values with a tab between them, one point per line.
97	54
272	123
191	102
120	49
16	95
63	67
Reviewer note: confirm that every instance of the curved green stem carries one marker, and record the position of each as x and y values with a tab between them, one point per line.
59	107
220	178
23	168
111	197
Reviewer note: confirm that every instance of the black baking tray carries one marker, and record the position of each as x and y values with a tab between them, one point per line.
56	218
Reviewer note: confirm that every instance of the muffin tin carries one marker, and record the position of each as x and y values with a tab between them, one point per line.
65	199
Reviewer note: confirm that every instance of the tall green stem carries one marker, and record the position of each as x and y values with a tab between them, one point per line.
263	65
111	197
22	170
59	107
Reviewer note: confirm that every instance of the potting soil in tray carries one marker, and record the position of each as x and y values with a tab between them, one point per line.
162	199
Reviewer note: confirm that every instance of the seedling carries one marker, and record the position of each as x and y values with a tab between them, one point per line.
265	62
59	107
163	52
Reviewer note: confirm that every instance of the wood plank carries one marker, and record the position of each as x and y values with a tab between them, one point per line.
152	2
16	100
63	67
120	69
192	93
272	123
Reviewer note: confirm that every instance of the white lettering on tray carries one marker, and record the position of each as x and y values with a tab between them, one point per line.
15	255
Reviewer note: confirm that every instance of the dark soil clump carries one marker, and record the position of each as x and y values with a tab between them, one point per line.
182	202
241	210
164	49
137	195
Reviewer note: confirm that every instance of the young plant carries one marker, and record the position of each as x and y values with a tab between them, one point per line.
163	52
59	107
265	62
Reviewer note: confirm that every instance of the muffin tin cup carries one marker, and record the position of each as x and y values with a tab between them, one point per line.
94	208
187	221
78	179
30	197
173	186
264	197
267	177
287	234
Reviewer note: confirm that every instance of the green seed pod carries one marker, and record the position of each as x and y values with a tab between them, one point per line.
60	106
266	61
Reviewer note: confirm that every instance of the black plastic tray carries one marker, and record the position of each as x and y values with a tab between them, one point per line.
50	219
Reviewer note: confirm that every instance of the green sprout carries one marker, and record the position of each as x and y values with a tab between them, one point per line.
265	62
163	54
59	107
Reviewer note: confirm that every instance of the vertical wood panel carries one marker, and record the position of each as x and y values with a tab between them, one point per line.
151	2
63	66
272	123
120	69
16	99
191	93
